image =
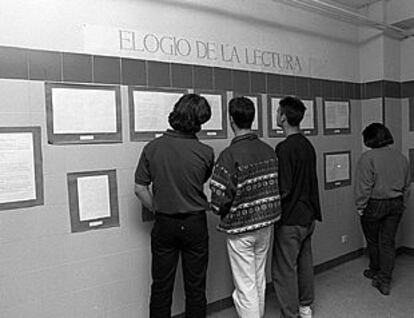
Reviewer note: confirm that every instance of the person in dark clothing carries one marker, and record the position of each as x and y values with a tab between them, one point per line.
292	264
177	165
382	188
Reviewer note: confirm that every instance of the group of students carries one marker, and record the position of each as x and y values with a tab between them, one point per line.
256	191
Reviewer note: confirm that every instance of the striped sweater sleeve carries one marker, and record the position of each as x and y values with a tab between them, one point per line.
222	189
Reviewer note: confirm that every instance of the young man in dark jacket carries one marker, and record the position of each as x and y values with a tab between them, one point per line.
292	265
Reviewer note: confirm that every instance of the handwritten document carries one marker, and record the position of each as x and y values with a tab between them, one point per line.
94	197
336	115
80	111
151	109
17	168
216	104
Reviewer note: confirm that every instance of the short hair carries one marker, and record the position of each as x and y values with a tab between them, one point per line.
241	109
376	135
293	108
189	113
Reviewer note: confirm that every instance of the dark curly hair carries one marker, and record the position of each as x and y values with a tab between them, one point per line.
376	135
189	113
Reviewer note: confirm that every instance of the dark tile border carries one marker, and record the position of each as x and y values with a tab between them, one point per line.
29	64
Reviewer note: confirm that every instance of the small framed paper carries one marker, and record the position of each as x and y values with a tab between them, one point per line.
83	114
149	109
93	200
337	169
309	122
21	168
216	127
257	125
272	105
336	117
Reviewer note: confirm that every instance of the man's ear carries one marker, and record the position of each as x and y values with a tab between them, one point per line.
231	119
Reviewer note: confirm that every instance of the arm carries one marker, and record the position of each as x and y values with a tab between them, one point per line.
144	195
364	182
222	189
285	172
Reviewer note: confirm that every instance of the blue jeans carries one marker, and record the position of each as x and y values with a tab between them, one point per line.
172	236
380	222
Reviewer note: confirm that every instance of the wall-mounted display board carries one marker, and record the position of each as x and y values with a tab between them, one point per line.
83	114
93	200
257	125
411	113
337	169
149	109
411	159
309	124
21	169
216	127
336	117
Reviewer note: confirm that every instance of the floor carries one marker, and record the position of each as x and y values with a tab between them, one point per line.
342	292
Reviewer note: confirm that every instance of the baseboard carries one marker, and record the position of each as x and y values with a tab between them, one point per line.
405	250
228	301
338	261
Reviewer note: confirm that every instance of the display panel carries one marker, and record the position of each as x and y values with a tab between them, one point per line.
337	167
336	117
78	114
216	127
93	200
149	110
21	168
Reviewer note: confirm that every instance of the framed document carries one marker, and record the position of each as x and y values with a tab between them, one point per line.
337	166
336	117
309	124
216	127
83	114
21	168
149	109
257	125
93	200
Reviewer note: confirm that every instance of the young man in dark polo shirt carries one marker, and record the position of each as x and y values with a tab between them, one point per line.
292	265
177	165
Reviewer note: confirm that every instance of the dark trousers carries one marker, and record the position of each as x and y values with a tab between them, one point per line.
171	236
380	222
292	267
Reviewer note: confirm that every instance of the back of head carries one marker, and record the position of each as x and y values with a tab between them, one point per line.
293	108
241	109
189	113
376	135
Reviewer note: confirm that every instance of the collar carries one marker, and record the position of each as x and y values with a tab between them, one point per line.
180	134
247	137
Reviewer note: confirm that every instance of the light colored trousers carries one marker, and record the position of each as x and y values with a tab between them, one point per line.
248	254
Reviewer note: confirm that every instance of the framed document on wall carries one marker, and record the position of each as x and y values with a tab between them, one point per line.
83	114
337	167
336	117
149	109
309	124
93	200
21	168
257	125
216	127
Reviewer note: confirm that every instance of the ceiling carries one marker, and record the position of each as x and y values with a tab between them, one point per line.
354	4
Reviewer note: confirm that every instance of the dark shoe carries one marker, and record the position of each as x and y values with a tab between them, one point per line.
369	273
383	288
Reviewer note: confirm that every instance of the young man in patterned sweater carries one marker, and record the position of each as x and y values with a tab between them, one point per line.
246	197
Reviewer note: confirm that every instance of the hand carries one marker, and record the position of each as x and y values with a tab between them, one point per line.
360	212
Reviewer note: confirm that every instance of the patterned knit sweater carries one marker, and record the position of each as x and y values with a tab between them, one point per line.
244	186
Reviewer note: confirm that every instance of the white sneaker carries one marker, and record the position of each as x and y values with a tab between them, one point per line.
305	312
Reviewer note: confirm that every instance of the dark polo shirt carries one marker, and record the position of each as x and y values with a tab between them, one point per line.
177	164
